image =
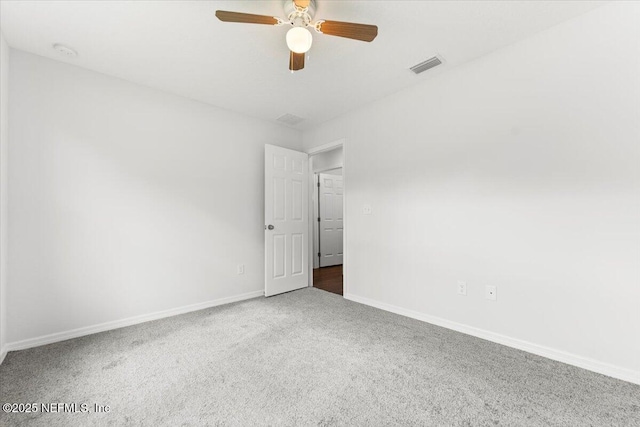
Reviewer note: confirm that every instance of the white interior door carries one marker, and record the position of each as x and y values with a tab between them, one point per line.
286	213
331	219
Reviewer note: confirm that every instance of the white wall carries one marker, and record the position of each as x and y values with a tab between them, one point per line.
126	200
337	171
4	146
327	160
520	170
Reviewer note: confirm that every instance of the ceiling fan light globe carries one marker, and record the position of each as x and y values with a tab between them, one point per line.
299	39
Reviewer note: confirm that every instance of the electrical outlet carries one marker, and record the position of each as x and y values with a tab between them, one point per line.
491	293
462	287
366	210
240	268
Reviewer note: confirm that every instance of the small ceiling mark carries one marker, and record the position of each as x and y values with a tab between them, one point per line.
290	119
65	50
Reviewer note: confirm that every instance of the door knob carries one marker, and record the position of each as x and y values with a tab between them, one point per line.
270	227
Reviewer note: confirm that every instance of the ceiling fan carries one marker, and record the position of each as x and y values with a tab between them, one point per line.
299	15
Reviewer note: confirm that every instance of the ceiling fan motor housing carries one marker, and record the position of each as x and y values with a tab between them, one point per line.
293	13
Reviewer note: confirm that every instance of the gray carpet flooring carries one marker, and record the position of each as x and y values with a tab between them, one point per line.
305	358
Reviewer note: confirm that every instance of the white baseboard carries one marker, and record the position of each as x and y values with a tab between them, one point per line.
107	326
3	354
550	353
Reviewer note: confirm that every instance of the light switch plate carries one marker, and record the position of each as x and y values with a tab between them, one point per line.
462	287
366	210
491	293
240	268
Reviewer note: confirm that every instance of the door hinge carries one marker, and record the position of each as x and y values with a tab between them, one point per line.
318	219
319	254
318	184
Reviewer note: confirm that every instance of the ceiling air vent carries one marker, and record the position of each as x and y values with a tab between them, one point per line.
290	119
426	65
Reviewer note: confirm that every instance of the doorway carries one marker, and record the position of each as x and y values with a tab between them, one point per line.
327	206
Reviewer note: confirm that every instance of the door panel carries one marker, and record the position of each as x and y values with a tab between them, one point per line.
331	219
297	203
279	251
297	254
279	186
287	211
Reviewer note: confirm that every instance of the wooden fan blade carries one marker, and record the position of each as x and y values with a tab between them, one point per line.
363	32
296	61
302	3
245	18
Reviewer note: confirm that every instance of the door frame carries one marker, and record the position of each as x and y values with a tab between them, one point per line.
311	152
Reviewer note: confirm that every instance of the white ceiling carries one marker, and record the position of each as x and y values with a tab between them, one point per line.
181	47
